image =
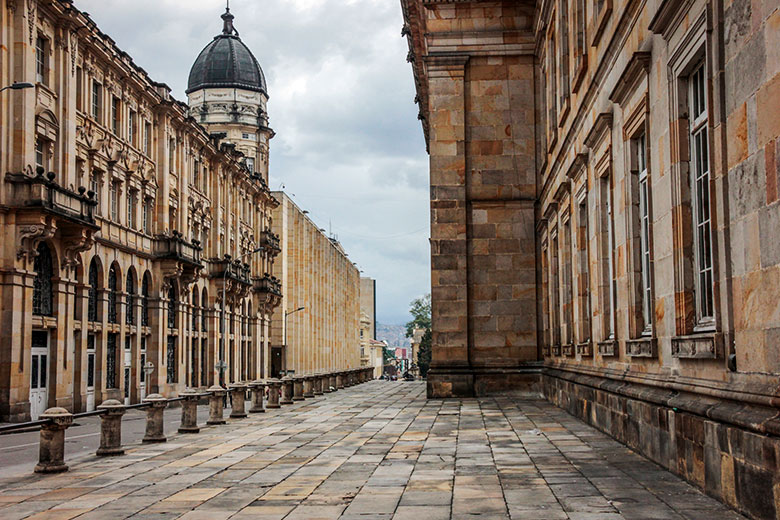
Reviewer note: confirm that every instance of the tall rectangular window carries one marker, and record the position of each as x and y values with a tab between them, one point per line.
566	265
132	209
170	360
97	100
114	201
115	115
131	122
94	186
147	138
41	60
607	259
79	88
146	215
40	154
555	297
583	270
195	171
700	184
644	233
563	58
171	154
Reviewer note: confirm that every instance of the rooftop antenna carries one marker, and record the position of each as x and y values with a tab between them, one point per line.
228	5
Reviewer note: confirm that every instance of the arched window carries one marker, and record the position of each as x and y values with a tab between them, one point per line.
130	290
42	289
194	326
204	302
172	307
92	314
112	289
145	301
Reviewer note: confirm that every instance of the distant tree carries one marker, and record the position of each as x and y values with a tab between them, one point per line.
421	315
424	353
420	309
388	355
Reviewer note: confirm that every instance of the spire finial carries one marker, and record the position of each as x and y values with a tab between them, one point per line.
228	18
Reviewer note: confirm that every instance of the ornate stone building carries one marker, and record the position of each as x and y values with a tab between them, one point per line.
123	220
316	328
605	220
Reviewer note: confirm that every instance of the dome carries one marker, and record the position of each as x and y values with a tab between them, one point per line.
227	63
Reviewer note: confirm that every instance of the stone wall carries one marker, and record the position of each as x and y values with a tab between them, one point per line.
710	442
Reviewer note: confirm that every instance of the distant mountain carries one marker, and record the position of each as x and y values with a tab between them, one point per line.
395	335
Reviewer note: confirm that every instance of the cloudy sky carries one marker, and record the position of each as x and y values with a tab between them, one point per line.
349	148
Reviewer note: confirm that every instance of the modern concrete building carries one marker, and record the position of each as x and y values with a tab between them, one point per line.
122	221
317	325
605	220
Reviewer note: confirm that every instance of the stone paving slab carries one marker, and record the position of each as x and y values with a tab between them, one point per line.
375	451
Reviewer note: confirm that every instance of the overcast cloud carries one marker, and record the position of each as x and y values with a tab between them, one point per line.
349	148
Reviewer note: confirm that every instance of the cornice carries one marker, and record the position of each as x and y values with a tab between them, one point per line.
637	66
603	124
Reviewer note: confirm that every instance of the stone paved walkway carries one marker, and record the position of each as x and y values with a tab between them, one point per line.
375	451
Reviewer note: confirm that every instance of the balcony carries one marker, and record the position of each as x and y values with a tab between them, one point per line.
270	241
44	208
269	290
179	258
235	275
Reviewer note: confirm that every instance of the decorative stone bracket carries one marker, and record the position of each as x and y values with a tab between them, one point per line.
31	236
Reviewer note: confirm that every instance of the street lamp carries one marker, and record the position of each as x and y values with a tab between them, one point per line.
18	86
222	365
288	313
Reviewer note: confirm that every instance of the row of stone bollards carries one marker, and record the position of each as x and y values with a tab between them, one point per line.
279	392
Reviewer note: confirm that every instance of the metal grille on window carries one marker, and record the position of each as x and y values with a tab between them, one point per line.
171	308
170	360
112	295
130	289
111	361
93	290
145	302
42	287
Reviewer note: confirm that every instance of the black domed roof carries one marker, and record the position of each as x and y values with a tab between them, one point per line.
227	62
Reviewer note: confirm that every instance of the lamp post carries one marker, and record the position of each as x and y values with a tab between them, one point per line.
288	313
18	86
224	328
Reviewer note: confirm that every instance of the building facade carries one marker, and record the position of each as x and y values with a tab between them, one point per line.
317	326
122	221
368	303
605	220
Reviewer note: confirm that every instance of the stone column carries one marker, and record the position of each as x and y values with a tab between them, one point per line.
339	381
287	390
330	385
258	389
308	387
189	412
238	396
274	387
298	388
215	405
111	428
52	444
154	418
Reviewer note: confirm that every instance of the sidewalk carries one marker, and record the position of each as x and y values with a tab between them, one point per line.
374	451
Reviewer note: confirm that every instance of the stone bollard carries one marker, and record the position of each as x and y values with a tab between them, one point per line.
339	380
318	384
111	428
238	395
154	418
274	388
189	411
258	389
308	387
298	388
287	390
215	405
332	386
51	457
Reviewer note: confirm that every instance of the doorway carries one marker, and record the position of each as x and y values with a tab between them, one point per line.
39	373
276	361
90	372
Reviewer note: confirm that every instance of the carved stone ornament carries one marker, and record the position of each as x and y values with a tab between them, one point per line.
11	4
31	236
32	10
74	246
74	51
